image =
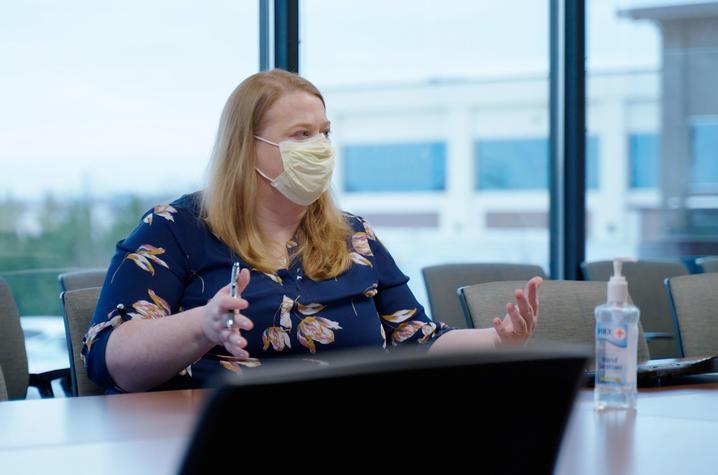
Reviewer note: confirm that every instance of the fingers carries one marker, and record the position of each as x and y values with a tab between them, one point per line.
517	320
532	290
523	304
221	307
527	313
503	333
225	305
523	314
241	322
242	280
234	343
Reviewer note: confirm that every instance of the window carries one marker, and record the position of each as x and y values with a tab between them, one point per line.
651	75
394	167
644	159
522	164
704	154
107	108
409	86
593	154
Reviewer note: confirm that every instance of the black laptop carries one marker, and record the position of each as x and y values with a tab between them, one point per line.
671	371
360	410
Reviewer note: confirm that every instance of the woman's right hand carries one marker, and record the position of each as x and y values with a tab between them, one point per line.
214	325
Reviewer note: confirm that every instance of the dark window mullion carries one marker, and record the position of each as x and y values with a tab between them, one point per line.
567	138
286	35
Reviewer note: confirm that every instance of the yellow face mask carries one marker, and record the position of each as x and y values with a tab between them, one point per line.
308	167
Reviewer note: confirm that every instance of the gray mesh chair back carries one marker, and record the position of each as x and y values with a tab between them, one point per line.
82	279
442	281
566	309
645	284
694	299
3	387
13	357
79	306
708	264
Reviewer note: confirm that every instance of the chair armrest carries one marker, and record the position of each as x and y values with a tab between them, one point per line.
43	381
651	336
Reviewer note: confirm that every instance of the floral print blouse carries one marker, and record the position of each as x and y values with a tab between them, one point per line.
172	262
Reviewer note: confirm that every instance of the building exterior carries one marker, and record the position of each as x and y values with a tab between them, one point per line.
458	170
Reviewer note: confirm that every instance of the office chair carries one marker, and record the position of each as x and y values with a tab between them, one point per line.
694	300
566	310
79	306
13	355
645	284
442	281
81	279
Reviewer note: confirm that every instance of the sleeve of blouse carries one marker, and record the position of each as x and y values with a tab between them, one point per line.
146	277
402	316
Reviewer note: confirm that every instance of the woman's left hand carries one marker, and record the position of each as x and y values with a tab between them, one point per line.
521	317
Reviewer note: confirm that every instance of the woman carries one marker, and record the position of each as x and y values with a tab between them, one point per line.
312	278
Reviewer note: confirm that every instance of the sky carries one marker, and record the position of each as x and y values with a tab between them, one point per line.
114	97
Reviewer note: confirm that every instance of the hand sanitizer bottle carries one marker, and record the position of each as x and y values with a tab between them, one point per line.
616	346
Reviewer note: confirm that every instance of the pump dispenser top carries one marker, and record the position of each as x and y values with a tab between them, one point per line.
617	285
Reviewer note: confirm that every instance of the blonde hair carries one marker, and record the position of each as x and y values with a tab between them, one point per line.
323	231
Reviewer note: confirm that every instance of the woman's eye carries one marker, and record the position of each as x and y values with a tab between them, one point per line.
327	133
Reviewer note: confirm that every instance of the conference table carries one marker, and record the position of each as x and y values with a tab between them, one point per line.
674	431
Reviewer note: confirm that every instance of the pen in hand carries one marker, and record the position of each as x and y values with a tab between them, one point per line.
232	317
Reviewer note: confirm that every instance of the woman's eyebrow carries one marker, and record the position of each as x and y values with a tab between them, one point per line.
325	125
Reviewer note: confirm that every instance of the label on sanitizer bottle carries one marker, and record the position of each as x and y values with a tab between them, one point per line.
611	364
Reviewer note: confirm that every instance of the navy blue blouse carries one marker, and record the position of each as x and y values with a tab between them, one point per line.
172	262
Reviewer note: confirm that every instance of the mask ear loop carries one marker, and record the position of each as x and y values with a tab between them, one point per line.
263	175
265	141
270	180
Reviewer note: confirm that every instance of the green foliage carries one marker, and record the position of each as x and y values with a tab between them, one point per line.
70	234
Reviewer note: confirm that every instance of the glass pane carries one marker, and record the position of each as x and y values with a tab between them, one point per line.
523	164
439	113
107	108
704	155
593	155
644	160
394	167
652	72
519	164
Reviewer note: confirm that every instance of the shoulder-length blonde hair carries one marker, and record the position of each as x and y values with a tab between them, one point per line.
228	201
